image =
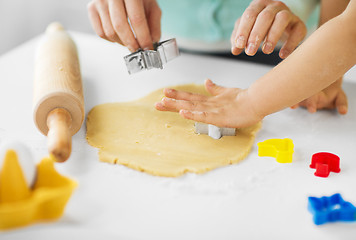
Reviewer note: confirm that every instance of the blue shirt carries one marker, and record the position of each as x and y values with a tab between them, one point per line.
213	20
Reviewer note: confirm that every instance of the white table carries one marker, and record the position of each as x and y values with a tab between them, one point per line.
255	199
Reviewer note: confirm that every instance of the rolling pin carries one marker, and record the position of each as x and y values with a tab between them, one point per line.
58	93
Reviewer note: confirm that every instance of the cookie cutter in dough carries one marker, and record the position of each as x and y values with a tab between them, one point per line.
213	131
22	205
281	149
147	59
324	163
331	209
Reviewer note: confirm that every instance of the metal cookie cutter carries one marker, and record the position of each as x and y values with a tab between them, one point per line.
213	131
148	59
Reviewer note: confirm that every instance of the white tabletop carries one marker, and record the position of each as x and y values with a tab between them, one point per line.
255	199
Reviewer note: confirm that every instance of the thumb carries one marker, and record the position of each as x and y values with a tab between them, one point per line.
212	88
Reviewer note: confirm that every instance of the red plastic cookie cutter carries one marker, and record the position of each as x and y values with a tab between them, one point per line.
324	163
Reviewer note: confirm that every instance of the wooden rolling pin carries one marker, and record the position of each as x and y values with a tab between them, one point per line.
58	92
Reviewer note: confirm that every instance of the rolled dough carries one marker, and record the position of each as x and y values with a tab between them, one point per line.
137	135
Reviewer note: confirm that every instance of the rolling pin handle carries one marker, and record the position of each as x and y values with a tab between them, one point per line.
59	122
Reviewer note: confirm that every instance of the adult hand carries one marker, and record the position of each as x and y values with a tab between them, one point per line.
227	107
332	97
267	21
132	23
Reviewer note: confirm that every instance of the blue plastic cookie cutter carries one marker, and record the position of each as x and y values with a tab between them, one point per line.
331	209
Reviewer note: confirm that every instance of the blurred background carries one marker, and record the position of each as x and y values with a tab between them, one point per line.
21	20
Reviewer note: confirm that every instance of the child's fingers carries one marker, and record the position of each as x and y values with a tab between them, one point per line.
136	14
176	105
159	106
202	116
311	104
121	26
212	88
246	23
341	103
181	95
294	106
296	35
281	21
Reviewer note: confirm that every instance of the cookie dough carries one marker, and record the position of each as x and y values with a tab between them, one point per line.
138	136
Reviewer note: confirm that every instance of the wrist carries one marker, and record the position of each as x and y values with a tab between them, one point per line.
253	107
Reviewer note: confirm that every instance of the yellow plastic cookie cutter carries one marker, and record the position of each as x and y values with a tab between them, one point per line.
281	149
20	205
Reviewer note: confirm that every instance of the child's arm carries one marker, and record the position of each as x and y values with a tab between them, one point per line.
333	96
317	63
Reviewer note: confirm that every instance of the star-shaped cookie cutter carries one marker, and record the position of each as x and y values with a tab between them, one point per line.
331	209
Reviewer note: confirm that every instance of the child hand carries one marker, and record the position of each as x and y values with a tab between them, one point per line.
227	107
267	20
330	98
111	20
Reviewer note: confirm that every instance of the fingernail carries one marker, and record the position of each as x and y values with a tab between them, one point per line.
170	90
267	48
159	104
240	42
312	110
342	110
251	49
284	53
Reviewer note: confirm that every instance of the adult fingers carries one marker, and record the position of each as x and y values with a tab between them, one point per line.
154	15
341	103
280	23
296	35
136	14
262	24
246	23
234	49
121	25
103	11
95	20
